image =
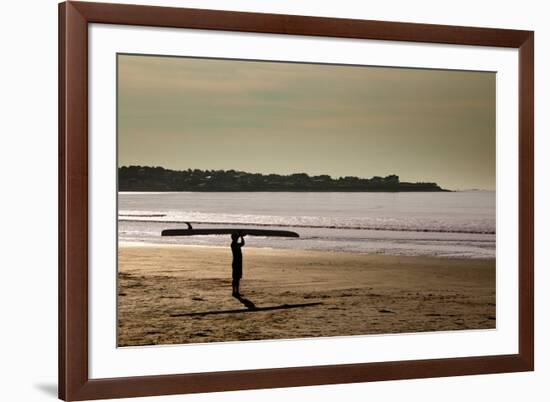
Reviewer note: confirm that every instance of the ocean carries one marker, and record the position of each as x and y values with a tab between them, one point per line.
442	224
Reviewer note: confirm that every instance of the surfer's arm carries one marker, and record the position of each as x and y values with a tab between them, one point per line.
242	241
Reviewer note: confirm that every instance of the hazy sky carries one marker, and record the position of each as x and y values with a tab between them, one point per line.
266	117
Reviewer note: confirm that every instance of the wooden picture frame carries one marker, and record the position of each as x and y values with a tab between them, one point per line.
74	381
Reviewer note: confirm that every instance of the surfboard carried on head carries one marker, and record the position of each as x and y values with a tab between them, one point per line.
228	231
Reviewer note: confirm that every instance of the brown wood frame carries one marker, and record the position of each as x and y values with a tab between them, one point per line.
74	383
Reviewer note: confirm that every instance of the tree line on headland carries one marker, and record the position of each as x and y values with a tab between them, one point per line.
146	178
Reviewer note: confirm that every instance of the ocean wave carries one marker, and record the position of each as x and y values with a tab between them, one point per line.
392	228
447	224
142	215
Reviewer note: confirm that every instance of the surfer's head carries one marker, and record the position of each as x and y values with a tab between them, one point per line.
234	236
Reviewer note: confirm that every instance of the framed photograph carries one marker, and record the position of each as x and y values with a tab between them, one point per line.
260	200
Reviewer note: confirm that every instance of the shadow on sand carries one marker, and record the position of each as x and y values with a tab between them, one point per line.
250	308
246	302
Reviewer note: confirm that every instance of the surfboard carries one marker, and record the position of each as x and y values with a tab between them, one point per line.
242	231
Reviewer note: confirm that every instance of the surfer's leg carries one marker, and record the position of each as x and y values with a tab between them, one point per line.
233	277
238	276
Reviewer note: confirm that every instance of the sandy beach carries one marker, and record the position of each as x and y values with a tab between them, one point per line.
182	294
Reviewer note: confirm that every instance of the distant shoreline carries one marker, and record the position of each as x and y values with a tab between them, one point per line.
286	191
159	179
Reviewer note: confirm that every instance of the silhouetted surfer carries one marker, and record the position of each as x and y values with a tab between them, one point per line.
237	261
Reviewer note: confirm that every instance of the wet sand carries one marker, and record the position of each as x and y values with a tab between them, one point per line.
182	294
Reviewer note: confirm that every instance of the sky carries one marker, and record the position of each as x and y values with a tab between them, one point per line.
279	117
